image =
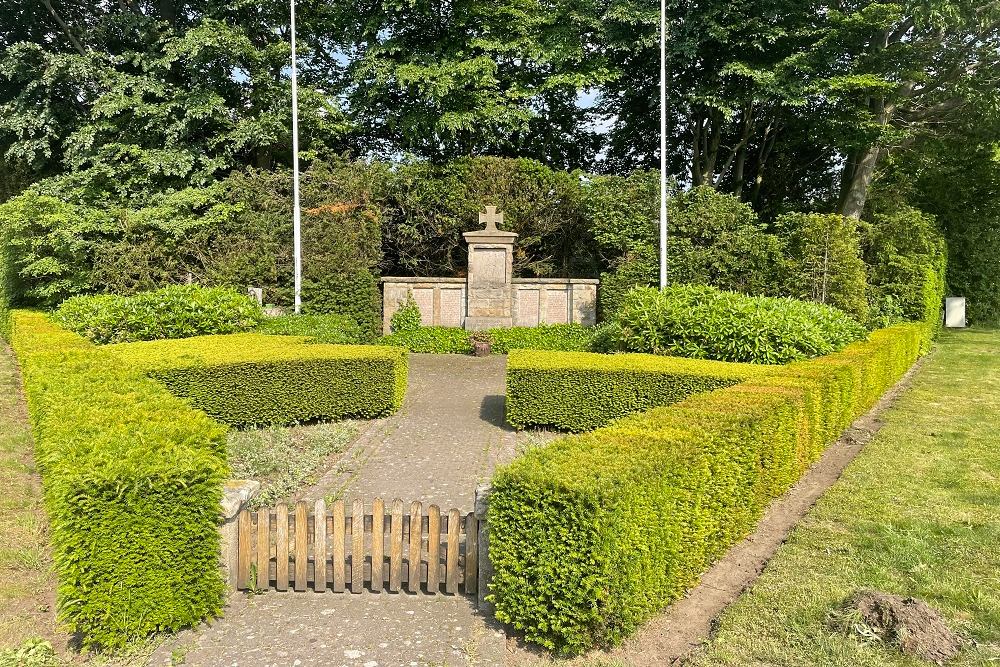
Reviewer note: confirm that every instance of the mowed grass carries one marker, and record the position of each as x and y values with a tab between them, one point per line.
918	513
27	583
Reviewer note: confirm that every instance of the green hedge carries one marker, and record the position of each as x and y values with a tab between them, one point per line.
430	340
255	379
179	311
592	534
336	329
580	391
132	480
562	337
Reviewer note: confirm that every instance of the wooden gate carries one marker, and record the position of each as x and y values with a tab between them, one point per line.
319	549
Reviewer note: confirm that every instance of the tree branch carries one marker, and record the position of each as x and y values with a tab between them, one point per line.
65	28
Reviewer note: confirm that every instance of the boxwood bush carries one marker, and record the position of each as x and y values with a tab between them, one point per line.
172	312
254	379
336	329
594	533
580	391
132	481
706	323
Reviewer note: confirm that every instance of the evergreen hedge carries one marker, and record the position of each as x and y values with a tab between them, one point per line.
256	379
594	533
132	482
581	391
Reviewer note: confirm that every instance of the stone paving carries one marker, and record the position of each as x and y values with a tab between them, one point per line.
447	438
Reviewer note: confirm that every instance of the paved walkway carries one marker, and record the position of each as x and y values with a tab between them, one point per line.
448	438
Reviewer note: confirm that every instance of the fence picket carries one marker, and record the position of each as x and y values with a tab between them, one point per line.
319	547
301	545
433	548
263	549
378	544
416	536
451	571
471	554
338	546
358	546
281	548
243	554
396	546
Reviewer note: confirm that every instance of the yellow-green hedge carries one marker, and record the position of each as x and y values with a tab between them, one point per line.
255	379
132	480
594	533
581	391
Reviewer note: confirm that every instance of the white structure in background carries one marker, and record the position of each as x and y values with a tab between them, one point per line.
663	143
954	312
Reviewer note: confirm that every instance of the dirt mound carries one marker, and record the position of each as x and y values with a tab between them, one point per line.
910	624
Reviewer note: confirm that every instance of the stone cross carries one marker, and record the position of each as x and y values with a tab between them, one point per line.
491	218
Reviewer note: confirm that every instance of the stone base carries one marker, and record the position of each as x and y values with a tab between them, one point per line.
481	323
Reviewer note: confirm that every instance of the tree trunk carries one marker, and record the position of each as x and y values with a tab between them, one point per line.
852	204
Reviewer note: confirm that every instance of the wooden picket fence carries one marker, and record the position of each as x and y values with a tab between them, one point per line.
314	548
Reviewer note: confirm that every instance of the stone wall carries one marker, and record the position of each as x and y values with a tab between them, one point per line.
443	301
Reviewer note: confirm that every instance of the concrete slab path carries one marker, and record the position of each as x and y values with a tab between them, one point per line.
448	437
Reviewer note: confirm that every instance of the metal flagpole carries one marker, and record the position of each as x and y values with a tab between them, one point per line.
297	212
663	143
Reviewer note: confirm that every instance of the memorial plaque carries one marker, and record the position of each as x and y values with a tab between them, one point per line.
425	301
527	308
489	267
556	307
451	308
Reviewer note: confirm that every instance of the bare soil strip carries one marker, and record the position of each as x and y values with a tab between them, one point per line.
670	638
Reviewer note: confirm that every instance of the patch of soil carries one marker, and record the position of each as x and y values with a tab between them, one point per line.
912	625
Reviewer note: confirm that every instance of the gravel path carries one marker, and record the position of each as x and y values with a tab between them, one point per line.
448	438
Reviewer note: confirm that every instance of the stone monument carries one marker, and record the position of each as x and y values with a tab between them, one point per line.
489	295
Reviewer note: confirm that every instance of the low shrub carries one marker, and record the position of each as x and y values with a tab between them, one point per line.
435	340
253	379
356	296
407	316
592	534
132	480
172	312
335	329
576	391
706	323
563	337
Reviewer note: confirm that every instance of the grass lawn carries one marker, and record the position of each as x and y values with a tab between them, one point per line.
918	513
27	583
284	460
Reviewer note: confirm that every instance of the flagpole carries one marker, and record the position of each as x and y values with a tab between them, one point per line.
296	212
663	143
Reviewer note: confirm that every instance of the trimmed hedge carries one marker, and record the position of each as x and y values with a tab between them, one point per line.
172	312
132	481
580	391
594	533
561	337
430	340
255	379
705	323
336	329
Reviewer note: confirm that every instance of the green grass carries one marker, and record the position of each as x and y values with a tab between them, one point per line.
917	513
284	460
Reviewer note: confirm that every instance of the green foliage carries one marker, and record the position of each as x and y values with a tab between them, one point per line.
253	379
579	391
907	260
433	204
132	482
172	312
705	323
31	653
407	317
354	295
593	534
436	340
564	337
49	246
825	261
335	329
714	239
